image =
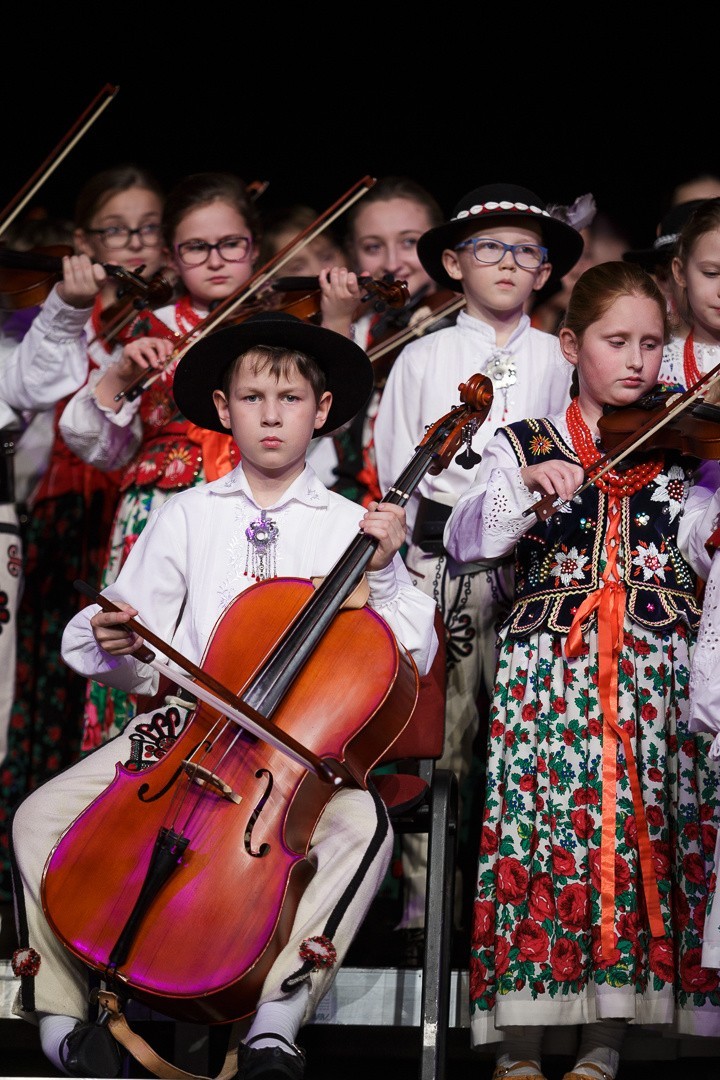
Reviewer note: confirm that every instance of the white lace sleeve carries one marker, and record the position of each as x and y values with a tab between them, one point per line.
705	668
98	436
488	518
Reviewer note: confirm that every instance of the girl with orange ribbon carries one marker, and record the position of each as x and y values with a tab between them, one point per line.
212	230
593	869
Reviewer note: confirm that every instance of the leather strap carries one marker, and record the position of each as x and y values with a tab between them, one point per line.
148	1058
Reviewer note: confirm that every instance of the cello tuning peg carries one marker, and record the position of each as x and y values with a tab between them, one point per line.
468	459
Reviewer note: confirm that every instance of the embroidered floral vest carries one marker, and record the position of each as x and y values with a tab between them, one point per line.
171	455
559	562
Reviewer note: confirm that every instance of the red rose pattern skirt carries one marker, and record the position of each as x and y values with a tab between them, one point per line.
535	956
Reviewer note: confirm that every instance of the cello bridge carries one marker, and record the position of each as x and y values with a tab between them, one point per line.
205	778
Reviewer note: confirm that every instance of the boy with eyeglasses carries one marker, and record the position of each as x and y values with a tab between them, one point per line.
500	246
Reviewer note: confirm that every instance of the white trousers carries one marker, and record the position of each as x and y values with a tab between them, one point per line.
472	605
352	833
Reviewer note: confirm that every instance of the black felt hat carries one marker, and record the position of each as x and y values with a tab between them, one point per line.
663	246
498	202
348	370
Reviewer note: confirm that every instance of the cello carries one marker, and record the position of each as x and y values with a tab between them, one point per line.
225	818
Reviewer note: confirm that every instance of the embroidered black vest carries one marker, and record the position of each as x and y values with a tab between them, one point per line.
559	562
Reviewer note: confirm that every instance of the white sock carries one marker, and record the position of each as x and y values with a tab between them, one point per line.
283	1017
604	1057
53	1030
600	1044
523	1065
521	1044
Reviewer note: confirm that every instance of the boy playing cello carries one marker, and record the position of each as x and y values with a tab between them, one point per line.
276	382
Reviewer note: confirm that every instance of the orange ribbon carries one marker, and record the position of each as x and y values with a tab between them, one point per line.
609	601
215	448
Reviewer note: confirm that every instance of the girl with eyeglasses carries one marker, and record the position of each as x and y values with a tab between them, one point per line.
212	230
116	221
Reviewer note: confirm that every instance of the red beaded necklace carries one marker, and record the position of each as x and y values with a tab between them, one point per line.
619	484
691	370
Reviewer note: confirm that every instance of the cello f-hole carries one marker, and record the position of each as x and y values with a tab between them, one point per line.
264	849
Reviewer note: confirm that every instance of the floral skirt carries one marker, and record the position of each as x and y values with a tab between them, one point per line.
536	955
65	541
108	710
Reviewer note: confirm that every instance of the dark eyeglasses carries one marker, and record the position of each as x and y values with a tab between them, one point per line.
489	252
115	237
197	252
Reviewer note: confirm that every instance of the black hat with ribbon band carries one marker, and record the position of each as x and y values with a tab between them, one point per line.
348	370
663	246
484	206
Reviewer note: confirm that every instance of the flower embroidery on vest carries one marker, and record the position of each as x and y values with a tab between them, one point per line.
569	566
540	445
651	561
671	488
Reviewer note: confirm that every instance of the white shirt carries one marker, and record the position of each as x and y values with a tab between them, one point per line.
48	364
672	369
189	564
423	386
705	668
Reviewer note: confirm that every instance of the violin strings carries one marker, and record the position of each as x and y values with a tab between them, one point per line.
205	750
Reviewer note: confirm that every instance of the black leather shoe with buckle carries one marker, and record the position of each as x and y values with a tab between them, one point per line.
92	1050
270	1062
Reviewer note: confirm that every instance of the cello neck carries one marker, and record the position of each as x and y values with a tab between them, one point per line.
302	636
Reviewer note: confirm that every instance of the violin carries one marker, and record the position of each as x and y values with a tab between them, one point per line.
681	421
26	281
119	317
282	295
429	310
26	278
299	693
695	431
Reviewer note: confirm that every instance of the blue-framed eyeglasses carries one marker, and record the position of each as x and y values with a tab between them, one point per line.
488	252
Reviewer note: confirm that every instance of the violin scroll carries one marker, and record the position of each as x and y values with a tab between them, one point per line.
459	425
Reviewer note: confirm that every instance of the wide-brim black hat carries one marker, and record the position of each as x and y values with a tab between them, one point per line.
663	246
498	202
348	370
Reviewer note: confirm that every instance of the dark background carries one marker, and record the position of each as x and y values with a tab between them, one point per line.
563	101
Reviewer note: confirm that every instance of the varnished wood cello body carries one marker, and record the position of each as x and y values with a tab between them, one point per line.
179	885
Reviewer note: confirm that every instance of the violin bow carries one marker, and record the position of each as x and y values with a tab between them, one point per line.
213	693
252	285
633	442
415	329
99	103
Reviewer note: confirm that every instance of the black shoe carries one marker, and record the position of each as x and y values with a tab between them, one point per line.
92	1050
270	1062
